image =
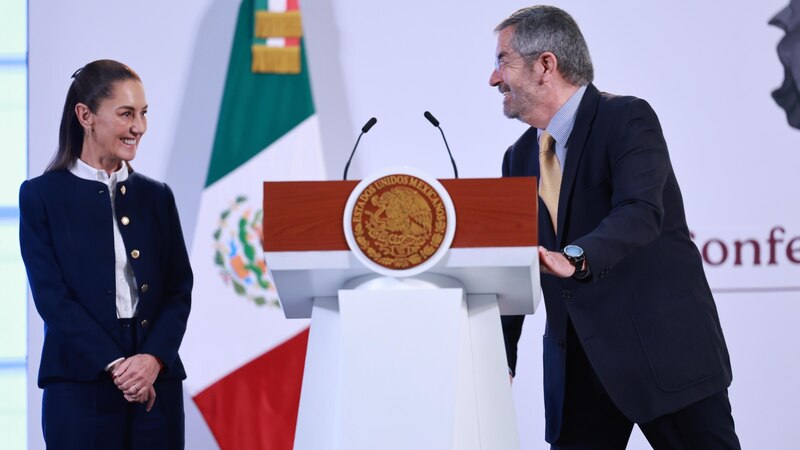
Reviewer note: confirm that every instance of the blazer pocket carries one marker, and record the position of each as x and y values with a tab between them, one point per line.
678	344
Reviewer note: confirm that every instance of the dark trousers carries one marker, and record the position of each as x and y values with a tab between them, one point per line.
592	422
95	415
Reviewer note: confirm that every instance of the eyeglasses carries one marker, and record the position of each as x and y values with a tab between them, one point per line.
504	60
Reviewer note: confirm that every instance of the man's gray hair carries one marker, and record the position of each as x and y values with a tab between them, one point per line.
539	29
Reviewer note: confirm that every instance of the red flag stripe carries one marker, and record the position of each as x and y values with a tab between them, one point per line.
292	5
255	406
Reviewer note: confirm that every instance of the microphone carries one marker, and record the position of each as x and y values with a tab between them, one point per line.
369	125
364	129
435	123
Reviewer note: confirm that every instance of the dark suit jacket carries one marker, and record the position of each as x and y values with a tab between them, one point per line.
646	317
67	243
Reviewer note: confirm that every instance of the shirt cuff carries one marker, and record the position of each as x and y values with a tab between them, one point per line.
111	364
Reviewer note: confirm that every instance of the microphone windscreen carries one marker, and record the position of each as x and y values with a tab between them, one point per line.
369	125
431	119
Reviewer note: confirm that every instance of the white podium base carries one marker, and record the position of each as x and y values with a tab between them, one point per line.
406	364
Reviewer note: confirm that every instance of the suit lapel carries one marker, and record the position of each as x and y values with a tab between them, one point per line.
528	146
525	163
575	146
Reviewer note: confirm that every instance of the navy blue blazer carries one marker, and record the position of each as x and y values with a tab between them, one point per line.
646	317
67	243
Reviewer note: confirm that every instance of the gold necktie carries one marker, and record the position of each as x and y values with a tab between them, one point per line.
549	175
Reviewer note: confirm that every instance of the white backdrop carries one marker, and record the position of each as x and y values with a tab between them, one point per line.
708	69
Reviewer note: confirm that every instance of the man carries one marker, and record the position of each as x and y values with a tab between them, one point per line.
632	332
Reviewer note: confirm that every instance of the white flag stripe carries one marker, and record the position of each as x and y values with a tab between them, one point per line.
276	42
276	5
228	330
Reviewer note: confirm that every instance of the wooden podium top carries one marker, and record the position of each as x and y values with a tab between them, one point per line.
490	212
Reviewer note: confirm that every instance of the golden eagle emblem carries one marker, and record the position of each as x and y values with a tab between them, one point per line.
399	221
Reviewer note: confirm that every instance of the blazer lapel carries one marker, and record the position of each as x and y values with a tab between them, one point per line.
525	162
528	146
575	146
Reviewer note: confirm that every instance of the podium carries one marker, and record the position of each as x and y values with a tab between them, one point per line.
414	361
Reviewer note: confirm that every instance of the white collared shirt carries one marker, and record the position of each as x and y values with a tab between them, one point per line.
127	298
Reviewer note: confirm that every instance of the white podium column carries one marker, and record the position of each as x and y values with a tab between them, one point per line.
406	364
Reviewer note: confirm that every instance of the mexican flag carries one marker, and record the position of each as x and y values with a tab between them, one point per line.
244	359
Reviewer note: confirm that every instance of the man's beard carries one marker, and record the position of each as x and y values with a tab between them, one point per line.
518	106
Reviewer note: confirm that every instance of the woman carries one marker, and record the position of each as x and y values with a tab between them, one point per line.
109	274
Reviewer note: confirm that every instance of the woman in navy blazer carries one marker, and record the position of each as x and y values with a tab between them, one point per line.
109	274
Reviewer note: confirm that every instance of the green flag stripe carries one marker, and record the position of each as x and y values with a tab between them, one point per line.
257	109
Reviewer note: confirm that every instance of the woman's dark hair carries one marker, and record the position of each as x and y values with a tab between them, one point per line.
90	84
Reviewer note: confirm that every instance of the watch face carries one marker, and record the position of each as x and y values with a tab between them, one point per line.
573	251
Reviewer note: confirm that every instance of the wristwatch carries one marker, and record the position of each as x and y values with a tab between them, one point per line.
577	258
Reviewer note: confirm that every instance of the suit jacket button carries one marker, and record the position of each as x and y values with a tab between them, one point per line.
135	254
145	287
566	295
145	323
561	344
125	220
